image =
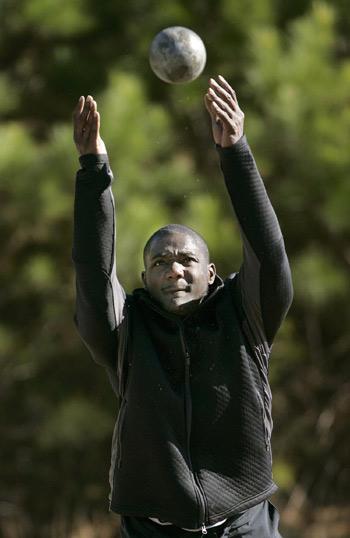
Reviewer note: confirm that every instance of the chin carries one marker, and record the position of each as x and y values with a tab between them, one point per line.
174	308
180	308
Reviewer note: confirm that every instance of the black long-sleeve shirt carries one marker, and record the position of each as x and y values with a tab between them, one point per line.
261	292
265	276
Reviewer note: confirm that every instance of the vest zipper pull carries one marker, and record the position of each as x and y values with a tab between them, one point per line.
204	529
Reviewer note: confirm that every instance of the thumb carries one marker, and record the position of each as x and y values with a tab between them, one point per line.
213	114
209	106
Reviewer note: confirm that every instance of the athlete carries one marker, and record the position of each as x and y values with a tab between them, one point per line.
187	353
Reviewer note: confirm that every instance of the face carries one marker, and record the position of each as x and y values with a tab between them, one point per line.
177	272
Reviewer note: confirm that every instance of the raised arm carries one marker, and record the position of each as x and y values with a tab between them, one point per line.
264	280
100	298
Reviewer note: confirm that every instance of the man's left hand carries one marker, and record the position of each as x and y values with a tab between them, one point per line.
226	116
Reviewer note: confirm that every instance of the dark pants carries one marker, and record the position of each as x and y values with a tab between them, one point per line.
261	521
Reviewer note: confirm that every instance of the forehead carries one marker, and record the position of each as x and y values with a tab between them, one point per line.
172	243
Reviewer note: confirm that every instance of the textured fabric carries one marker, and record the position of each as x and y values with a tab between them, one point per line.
182	414
261	521
192	440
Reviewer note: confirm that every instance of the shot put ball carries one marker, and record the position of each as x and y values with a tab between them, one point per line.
177	55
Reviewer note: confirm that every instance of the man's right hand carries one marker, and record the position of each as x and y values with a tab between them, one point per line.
86	123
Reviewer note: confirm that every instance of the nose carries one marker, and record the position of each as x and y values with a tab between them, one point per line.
175	270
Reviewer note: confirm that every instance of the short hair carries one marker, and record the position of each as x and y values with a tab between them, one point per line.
181	229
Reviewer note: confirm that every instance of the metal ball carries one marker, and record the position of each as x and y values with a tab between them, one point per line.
177	55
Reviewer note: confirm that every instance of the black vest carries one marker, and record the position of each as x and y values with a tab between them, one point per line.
192	442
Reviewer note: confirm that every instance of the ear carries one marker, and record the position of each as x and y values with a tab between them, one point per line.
143	276
211	273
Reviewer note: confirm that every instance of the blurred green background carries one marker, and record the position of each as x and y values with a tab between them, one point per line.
289	61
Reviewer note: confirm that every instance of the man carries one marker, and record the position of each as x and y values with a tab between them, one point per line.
187	354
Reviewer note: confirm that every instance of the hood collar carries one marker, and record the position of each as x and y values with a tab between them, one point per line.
143	295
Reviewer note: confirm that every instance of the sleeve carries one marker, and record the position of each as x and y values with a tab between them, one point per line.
100	299
264	281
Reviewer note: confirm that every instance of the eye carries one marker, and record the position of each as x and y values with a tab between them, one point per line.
158	263
188	260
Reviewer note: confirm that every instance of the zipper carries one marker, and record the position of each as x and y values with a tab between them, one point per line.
188	411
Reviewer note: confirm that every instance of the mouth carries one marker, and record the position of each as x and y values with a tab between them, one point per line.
172	290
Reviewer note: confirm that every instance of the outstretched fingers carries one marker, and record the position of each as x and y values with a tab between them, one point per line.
87	118
221	102
224	91
95	125
81	116
209	105
85	115
77	117
227	117
228	88
79	107
221	114
86	121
